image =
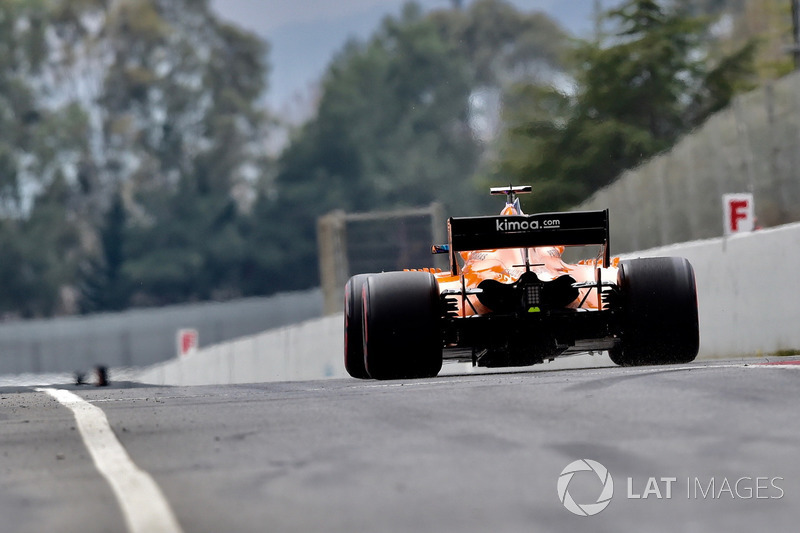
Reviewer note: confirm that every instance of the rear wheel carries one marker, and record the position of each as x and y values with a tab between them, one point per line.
658	303
353	335
402	325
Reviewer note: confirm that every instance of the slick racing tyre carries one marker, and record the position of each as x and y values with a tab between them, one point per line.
353	336
402	325
658	305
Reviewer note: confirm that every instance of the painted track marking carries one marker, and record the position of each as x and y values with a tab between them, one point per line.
142	503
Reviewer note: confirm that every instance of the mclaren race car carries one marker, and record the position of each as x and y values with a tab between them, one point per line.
511	298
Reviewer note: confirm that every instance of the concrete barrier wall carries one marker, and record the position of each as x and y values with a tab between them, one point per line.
751	146
747	293
310	350
140	337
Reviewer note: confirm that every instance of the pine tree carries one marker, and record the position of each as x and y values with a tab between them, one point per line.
103	283
648	83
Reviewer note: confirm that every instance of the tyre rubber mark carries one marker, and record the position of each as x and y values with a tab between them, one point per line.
780	363
143	505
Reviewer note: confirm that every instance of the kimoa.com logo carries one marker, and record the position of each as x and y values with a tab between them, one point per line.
510	225
585	509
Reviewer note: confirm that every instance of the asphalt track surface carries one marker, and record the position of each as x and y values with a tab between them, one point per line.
466	453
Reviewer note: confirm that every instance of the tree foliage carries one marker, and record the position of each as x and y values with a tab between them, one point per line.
635	94
102	284
115	117
399	121
133	161
39	141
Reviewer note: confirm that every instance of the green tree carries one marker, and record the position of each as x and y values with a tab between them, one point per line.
177	128
40	140
635	95
403	120
503	45
193	252
769	23
391	130
40	255
122	123
102	283
198	129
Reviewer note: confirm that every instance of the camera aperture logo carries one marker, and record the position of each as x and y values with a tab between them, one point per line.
585	509
658	488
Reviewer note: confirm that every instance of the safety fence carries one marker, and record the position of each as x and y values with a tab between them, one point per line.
359	243
751	146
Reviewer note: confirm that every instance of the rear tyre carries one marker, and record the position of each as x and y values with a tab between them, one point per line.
658	305
353	335
402	325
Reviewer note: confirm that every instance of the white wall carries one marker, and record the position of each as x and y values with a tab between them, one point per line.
747	289
310	350
747	293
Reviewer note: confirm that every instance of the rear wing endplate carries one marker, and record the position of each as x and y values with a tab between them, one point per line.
574	228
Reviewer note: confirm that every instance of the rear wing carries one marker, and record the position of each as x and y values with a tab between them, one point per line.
528	231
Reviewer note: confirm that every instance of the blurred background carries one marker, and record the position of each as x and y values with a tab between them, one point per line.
159	152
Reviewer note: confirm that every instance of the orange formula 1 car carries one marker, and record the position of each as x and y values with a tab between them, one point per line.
511	299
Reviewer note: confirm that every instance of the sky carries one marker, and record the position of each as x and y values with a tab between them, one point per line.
304	35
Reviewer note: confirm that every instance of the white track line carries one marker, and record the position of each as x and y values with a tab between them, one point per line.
143	505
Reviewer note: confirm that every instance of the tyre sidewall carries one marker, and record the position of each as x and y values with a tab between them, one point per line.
659	312
353	323
402	325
